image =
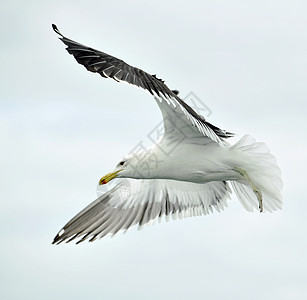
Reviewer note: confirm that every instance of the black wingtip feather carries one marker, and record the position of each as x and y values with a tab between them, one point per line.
56	30
55	240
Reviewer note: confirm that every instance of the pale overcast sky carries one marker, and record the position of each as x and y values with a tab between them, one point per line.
62	128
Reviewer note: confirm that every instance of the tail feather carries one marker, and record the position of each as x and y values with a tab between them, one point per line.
263	171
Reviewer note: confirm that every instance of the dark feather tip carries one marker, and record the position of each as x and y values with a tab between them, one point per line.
56	30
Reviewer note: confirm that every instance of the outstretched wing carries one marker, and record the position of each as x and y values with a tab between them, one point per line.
112	67
140	202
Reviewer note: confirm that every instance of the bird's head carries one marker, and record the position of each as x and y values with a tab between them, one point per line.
125	168
132	166
120	167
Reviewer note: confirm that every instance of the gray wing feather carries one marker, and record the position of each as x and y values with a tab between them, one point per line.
109	66
110	213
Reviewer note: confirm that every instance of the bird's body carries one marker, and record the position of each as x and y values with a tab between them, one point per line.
209	162
186	173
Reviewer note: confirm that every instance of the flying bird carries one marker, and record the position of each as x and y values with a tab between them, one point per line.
194	170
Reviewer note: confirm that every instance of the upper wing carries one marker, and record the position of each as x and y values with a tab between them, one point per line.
135	201
110	66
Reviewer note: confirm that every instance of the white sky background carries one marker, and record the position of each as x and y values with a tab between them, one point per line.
62	128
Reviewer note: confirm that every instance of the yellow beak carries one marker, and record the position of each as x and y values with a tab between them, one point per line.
105	179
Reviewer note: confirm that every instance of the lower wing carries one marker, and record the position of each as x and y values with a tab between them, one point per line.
141	201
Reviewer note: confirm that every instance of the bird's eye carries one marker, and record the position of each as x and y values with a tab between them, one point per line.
121	163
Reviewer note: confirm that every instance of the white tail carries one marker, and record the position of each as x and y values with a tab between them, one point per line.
262	170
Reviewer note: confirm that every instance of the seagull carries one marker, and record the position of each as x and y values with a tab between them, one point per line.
188	172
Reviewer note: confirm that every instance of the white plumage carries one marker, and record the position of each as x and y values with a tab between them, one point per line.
187	173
